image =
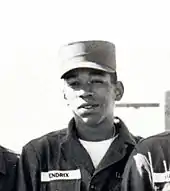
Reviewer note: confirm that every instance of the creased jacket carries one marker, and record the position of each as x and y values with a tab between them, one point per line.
148	168
58	162
8	169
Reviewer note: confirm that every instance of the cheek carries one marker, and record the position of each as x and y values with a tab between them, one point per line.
69	94
106	94
72	98
108	99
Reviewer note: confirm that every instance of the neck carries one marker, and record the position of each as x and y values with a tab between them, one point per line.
95	132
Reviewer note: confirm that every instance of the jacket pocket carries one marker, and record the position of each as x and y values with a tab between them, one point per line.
61	180
62	185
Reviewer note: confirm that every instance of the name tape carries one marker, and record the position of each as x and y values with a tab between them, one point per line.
161	177
60	175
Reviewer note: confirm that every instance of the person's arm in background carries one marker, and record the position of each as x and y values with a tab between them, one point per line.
28	171
137	174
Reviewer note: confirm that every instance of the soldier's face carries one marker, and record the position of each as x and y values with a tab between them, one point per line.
90	94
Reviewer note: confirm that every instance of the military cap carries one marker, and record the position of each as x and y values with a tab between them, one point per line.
94	54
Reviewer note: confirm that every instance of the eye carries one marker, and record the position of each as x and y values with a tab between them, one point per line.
74	84
97	81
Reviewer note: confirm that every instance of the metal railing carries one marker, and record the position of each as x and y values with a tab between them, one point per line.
137	105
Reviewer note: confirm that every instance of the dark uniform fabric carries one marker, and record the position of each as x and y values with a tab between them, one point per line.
61	150
148	168
8	167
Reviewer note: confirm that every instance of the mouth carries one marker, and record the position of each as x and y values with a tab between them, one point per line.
88	106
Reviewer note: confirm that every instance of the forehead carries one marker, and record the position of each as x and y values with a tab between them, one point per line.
84	71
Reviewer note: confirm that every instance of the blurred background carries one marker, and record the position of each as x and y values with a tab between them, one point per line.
31	101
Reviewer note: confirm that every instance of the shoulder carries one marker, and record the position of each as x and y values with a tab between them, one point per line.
9	155
154	143
160	138
125	133
46	141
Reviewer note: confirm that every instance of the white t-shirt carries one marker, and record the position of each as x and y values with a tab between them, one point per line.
97	149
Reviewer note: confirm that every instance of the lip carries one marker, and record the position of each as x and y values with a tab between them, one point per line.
88	106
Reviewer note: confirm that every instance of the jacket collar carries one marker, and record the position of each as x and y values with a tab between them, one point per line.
121	129
119	147
76	153
124	132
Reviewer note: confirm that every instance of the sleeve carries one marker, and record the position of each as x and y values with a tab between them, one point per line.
137	174
28	170
12	165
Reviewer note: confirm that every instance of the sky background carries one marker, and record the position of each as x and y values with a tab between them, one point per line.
31	102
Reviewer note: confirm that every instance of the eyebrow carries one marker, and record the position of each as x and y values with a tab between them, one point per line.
98	73
93	72
70	75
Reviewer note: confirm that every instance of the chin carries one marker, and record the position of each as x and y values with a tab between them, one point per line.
91	120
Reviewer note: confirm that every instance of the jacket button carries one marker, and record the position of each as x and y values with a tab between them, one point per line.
93	187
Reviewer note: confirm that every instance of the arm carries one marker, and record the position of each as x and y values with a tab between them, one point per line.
137	174
28	170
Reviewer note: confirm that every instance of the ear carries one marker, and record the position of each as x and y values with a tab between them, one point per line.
119	90
65	98
64	94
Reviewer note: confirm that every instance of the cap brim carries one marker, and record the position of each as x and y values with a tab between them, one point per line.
85	64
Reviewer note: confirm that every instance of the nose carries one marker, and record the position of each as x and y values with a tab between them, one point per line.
85	94
86	91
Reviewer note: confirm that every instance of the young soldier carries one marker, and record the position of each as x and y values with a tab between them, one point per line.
90	154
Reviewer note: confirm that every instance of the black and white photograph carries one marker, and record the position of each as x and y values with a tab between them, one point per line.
85	95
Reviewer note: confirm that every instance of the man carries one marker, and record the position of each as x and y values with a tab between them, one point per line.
90	154
148	168
8	167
